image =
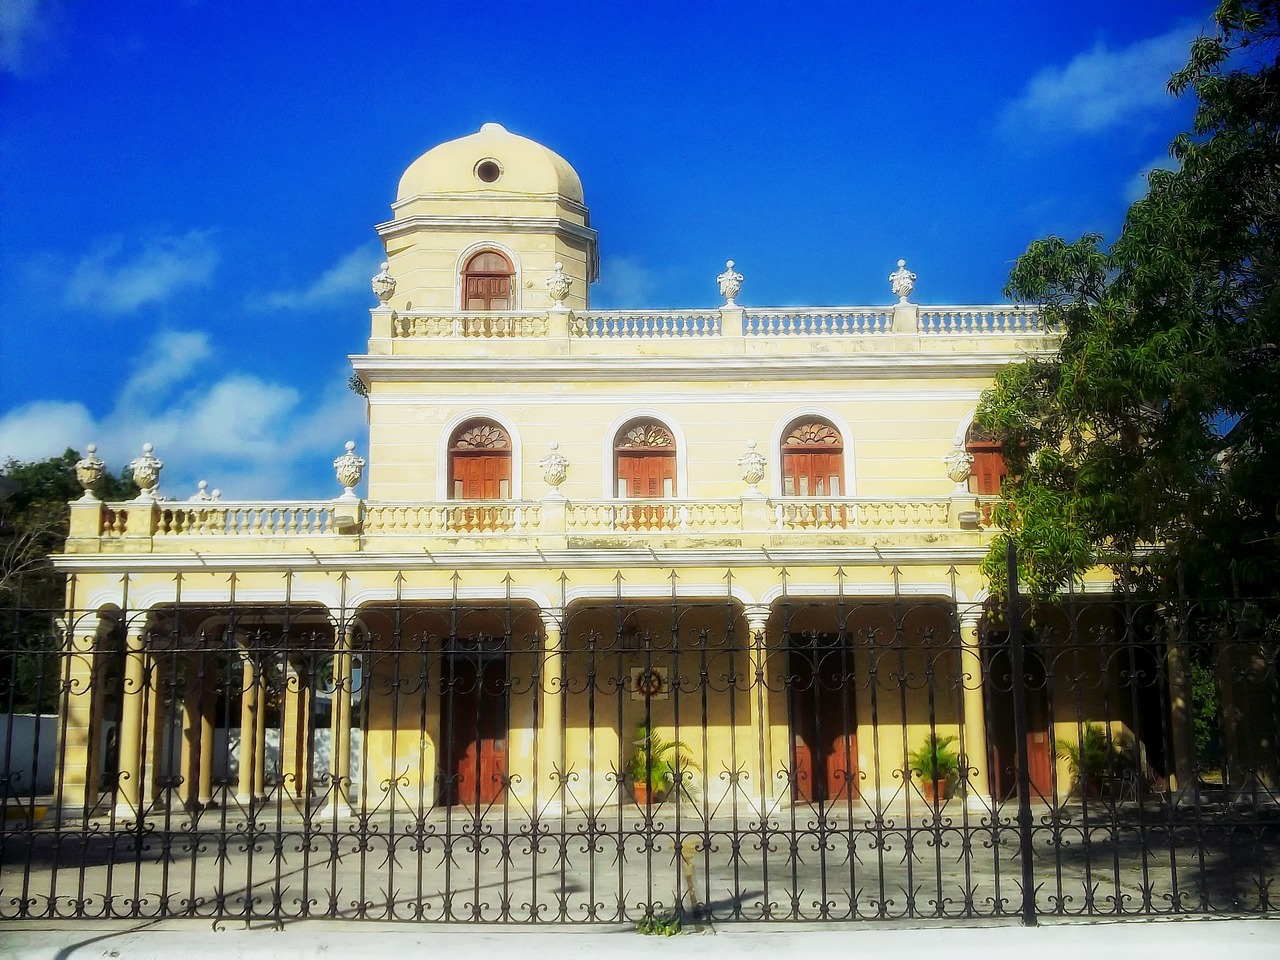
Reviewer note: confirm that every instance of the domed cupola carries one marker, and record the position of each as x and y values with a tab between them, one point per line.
480	223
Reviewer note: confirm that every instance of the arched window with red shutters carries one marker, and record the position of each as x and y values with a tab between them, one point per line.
813	460
988	470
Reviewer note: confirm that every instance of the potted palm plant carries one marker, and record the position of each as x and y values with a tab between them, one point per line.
657	766
1092	760
936	763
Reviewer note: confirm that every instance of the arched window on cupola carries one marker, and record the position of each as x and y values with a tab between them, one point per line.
812	460
488	282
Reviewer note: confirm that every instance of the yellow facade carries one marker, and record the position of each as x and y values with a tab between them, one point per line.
708	578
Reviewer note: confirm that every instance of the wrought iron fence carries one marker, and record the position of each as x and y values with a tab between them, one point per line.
832	754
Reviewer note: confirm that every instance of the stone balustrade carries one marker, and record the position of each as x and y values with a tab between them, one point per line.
725	322
166	525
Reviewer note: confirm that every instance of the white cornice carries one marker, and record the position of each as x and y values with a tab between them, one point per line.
453	224
639	557
712	367
911	393
491	195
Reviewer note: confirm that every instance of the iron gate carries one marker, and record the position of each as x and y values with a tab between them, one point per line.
621	757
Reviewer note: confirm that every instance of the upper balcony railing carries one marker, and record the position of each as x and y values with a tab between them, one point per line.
726	322
160	526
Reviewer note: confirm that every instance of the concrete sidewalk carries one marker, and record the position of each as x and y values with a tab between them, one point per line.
1248	939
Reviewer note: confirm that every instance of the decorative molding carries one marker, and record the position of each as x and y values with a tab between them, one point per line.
712	367
483	436
796	399
441	224
648	435
813	434
489	194
666	558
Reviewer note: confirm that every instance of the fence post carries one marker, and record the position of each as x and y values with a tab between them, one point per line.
1019	680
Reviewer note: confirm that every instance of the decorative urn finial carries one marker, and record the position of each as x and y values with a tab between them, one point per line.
555	468
903	281
350	469
89	472
752	465
146	473
559	285
384	285
730	284
959	465
202	491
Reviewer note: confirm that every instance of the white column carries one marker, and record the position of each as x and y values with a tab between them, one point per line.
250	745
973	710
550	760
131	792
758	694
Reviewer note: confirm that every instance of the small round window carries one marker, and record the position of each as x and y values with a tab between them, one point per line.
488	170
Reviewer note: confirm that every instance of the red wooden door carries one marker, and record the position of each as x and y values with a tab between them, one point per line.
822	724
647	476
476	731
487	282
481	476
488	293
988	471
812	473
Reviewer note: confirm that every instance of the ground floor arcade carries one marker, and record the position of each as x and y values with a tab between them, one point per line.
549	689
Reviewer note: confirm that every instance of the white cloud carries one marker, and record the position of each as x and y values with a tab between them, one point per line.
249	437
625	283
1137	186
346	278
24	26
1101	89
113	280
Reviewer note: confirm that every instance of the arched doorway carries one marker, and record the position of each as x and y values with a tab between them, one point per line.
479	469
813	460
488	282
644	462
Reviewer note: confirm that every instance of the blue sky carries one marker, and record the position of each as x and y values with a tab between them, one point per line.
188	189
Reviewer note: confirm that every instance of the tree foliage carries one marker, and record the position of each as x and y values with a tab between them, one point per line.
1151	442
34	522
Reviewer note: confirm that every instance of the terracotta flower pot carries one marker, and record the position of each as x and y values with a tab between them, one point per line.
935	791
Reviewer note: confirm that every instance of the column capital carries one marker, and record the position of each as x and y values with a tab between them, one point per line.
552	618
970	615
757	615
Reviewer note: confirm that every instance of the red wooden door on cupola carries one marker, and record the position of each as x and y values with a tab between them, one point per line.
645	467
487	282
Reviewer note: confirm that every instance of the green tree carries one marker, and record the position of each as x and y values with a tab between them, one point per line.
1158	422
34	521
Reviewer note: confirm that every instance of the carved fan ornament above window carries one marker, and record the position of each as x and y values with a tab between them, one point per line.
482	436
977	437
646	436
813	434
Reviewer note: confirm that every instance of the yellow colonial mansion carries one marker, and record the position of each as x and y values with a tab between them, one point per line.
723	559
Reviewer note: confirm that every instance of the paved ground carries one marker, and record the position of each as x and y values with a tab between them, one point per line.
1169	940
